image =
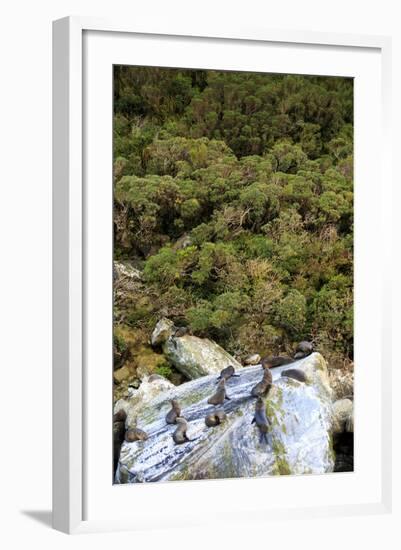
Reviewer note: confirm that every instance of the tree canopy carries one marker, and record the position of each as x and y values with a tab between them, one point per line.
233	191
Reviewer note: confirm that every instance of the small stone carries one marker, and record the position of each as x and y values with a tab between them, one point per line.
162	331
254	359
342	410
349	425
342	382
155	377
121	374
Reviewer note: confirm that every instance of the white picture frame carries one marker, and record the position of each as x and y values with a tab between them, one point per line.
73	400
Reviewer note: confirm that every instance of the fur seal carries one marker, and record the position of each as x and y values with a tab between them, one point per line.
180	434
215	418
120	416
261	420
276	361
181	331
227	372
303	349
220	395
263	387
174	412
118	438
135	434
296	374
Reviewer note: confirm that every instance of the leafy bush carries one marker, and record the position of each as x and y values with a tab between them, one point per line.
234	193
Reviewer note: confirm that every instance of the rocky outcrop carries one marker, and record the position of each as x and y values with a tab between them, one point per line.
124	270
196	357
192	356
299	440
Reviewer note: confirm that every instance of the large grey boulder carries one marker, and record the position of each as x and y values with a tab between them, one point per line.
299	442
196	357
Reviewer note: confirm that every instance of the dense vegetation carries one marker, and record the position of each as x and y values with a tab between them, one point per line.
234	193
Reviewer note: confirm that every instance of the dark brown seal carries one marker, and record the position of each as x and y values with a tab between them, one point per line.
120	416
303	349
180	434
135	434
276	361
296	374
118	438
181	331
227	372
174	412
220	395
263	387
215	418
261	420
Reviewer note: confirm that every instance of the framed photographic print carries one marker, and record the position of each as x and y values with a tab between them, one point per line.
218	312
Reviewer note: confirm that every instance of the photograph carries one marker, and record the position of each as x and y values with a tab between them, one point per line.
233	284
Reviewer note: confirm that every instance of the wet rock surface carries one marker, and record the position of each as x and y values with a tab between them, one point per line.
299	441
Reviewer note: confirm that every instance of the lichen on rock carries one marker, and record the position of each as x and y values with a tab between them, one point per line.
299	440
196	357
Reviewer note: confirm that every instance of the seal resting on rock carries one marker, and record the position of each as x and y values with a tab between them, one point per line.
181	331
276	361
296	374
135	434
261	420
118	434
174	412
263	387
180	434
227	373
303	349
120	416
220	395
215	418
